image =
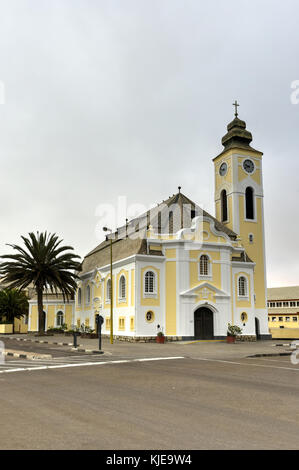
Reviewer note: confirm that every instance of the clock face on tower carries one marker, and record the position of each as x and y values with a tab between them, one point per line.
223	169
248	166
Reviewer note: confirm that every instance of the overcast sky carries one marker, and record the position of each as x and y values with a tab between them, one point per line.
131	98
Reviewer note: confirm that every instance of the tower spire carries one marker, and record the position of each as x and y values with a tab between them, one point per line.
235	104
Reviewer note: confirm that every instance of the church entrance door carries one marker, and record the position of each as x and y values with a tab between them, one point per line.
203	323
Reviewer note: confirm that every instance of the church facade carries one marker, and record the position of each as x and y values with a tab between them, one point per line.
179	270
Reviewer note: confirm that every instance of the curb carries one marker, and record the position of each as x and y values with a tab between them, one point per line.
92	351
25	355
40	341
272	355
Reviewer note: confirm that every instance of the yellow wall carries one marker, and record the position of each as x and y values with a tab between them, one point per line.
34	318
194	268
284	333
170	298
150	301
51	317
132	287
68	315
254	250
19	325
6	329
286	324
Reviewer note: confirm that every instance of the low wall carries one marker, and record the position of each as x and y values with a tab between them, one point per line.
6	329
284	333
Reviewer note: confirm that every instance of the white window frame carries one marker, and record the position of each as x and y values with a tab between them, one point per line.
56	318
122	298
205	276
246	285
154	293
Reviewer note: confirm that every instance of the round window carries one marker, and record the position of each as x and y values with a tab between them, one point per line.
150	317
244	317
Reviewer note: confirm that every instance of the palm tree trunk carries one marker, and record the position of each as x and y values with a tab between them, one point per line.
41	325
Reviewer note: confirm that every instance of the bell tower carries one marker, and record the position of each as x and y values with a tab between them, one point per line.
239	197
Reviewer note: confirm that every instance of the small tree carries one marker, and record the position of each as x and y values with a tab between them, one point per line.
13	304
233	330
44	264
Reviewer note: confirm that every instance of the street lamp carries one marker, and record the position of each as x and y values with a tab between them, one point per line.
106	229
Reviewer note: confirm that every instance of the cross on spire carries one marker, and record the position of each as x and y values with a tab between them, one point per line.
235	104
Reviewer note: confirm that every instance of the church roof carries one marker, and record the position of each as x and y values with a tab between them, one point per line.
125	245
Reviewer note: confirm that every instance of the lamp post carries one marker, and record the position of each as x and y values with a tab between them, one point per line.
106	229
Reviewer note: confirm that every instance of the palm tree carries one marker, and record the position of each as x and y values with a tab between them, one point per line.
44	264
13	304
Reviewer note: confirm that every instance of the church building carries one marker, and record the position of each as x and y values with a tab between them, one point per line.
178	269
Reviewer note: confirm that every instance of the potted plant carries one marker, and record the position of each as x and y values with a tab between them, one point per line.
160	337
232	332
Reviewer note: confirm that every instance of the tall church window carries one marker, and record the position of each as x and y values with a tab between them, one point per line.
108	295
204	265
87	294
122	288
79	296
149	282
224	213
249	202
242	286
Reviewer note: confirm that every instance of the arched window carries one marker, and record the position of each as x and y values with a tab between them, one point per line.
204	265
249	203
224	213
242	287
87	294
79	296
122	287
108	294
59	318
149	282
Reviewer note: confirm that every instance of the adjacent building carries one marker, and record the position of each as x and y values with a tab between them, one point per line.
283	312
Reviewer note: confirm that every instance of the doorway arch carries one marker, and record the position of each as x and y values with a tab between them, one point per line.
203	323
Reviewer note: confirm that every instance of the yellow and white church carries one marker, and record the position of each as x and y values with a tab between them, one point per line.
179	270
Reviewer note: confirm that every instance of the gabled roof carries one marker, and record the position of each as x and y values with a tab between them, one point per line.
123	244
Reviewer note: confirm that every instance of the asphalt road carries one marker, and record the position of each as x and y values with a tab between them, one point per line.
188	403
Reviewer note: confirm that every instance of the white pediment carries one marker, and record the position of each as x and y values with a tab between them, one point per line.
203	288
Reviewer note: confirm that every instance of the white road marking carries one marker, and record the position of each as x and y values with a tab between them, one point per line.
247	364
84	364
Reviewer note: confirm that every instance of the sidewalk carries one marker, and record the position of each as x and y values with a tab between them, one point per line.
213	350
